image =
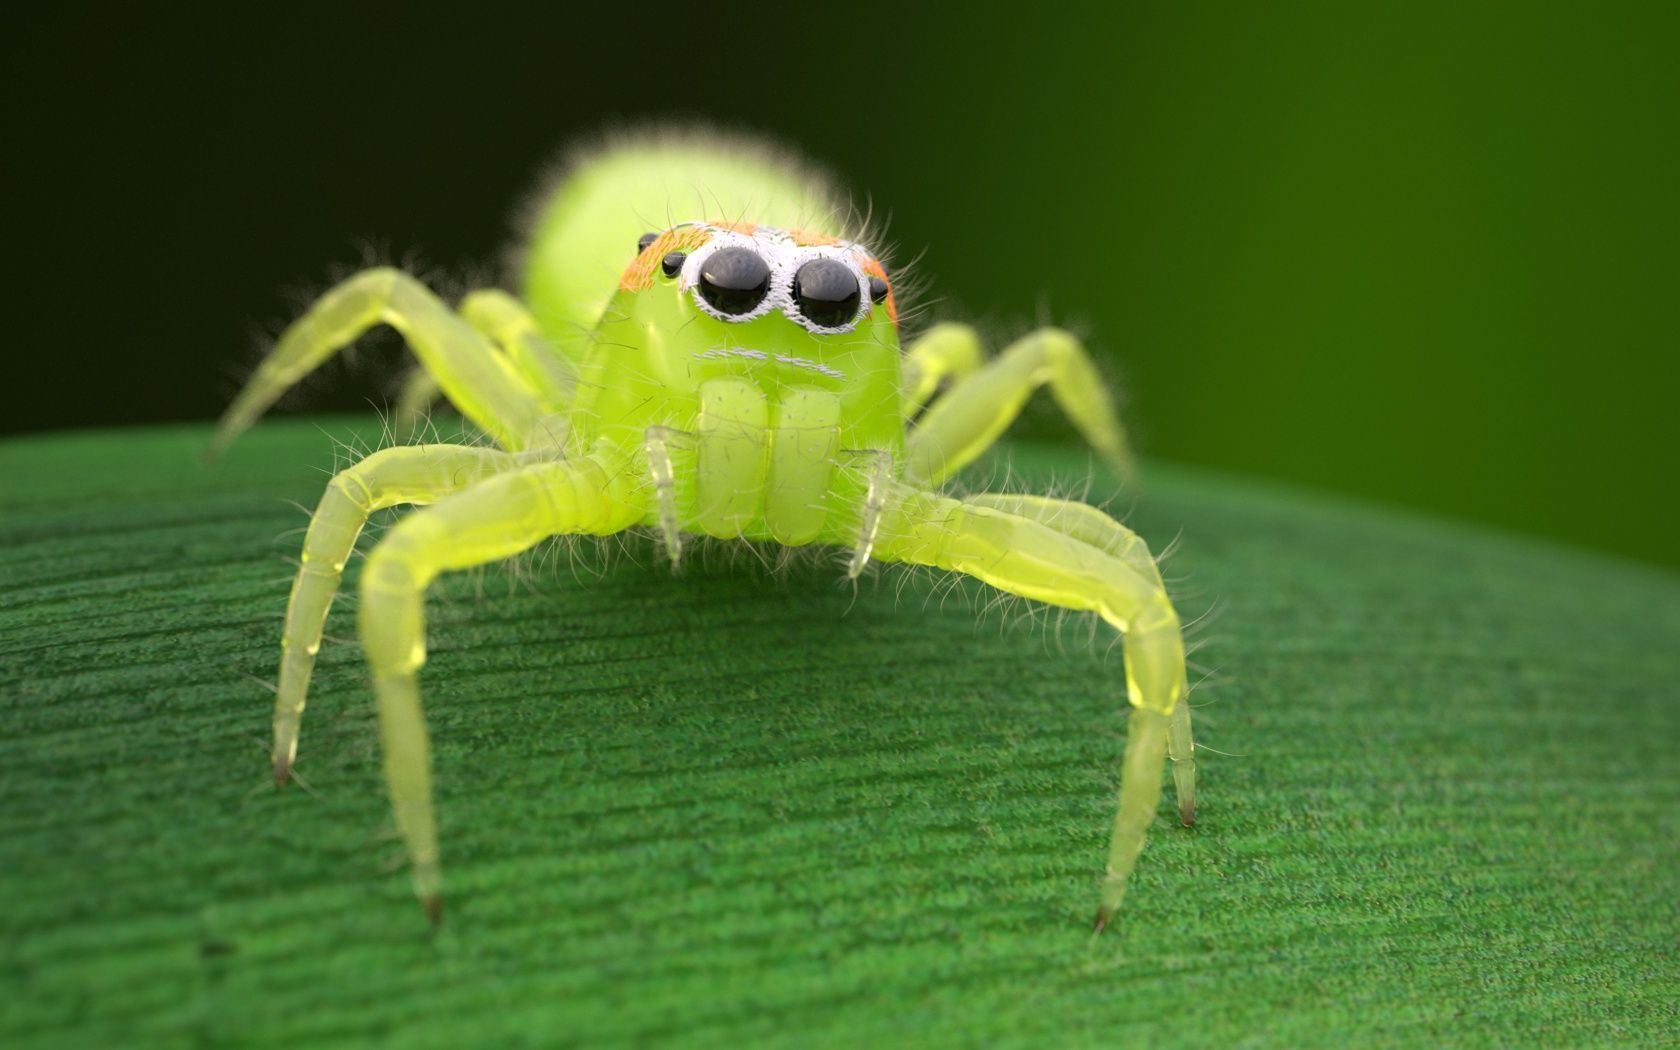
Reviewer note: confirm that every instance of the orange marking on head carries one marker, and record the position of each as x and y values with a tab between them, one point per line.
807	239
638	276
872	266
746	229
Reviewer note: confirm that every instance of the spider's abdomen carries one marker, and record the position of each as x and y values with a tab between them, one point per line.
586	226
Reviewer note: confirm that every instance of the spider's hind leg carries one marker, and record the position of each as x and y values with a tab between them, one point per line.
976	411
506	322
503	320
476	377
944	352
415	398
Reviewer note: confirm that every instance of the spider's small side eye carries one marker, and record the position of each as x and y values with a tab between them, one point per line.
877	289
672	263
644	240
826	292
734	280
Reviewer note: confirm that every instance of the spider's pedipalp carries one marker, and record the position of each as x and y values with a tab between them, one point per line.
658	448
875	496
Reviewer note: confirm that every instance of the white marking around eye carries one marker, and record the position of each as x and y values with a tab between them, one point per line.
784	257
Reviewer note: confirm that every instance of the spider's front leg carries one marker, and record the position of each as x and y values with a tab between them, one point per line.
392	476
1020	555
1091	526
480	380
494	519
980	407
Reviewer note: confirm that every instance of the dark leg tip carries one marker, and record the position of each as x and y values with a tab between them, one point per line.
282	772
434	908
1187	814
1101	923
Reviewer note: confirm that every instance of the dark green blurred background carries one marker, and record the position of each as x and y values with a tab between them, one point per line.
1421	253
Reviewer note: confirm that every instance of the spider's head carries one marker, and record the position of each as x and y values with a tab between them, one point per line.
712	290
709	305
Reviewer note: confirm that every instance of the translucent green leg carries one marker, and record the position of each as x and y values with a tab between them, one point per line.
964	422
1022	556
506	323
1089	525
494	519
407	474
482	383
415	398
945	351
512	328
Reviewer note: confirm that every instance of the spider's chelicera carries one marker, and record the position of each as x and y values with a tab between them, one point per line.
717	378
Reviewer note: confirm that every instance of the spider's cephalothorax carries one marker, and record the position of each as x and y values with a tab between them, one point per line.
766	367
715	377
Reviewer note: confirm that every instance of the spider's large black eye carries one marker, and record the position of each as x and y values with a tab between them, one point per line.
734	280
644	240
827	292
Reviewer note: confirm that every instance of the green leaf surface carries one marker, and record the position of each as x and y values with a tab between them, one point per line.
748	806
